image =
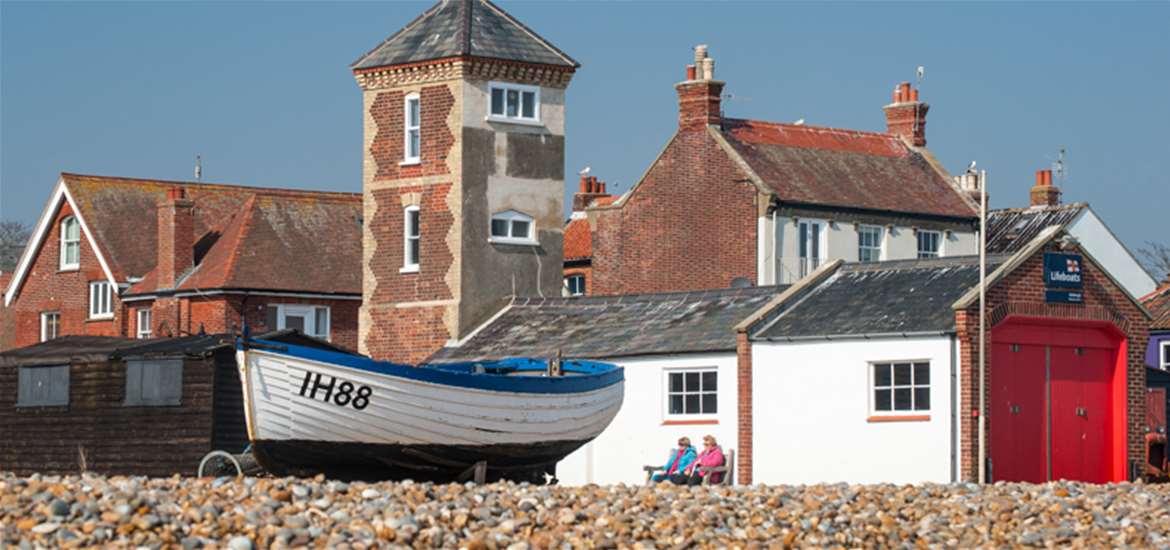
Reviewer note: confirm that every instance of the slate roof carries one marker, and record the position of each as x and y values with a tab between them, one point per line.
1158	304
245	237
1011	229
453	28
892	297
814	165
614	326
578	240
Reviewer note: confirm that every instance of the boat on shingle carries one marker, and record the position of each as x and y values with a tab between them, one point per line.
313	411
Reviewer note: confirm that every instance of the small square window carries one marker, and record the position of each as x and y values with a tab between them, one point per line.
50	326
575	285
101	304
900	387
512	227
928	244
513	102
692	392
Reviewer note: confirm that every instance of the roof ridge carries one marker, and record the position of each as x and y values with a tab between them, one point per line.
789	125
214	185
921	263
1023	209
612	298
245	222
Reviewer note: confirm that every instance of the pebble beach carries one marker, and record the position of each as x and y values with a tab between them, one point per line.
241	514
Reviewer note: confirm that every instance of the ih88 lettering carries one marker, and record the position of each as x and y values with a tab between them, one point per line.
342	394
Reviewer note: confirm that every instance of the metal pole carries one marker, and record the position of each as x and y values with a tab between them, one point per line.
982	325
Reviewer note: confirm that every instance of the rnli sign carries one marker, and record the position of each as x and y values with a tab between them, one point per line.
1062	270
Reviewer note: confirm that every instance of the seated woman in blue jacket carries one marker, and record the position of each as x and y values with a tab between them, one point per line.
679	459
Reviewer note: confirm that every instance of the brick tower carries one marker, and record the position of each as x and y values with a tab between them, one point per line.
463	175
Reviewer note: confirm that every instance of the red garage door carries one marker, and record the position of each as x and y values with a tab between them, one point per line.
1057	402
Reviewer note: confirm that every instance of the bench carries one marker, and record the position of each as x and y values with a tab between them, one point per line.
727	469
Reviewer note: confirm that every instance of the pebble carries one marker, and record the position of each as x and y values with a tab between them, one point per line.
243	514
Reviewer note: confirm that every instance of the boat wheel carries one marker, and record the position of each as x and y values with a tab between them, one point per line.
220	464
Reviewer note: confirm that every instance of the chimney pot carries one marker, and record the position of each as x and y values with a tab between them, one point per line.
906	116
690	72
700	54
708	69
914	95
1044	193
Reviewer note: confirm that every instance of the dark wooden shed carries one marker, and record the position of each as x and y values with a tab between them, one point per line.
117	406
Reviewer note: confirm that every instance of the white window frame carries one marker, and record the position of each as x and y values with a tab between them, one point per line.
861	230
938	242
809	263
1164	354
569	289
45	325
143	330
310	313
407	129
68	243
510	217
872	387
666	393
520	89
409	266
101	306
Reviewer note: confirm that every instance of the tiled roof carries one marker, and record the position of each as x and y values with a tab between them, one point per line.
614	326
894	297
1011	229
1158	304
811	165
578	241
454	28
245	237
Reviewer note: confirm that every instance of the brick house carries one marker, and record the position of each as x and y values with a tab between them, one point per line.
147	258
768	202
463	175
579	238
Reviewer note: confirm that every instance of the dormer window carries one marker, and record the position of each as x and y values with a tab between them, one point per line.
514	102
512	227
412	139
70	243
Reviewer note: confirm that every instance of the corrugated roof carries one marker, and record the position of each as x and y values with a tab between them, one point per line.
578	240
1011	229
905	296
814	165
454	28
614	326
245	237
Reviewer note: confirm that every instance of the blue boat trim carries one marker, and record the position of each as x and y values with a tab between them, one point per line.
484	375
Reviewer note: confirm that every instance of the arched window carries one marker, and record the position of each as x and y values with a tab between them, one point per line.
70	243
513	227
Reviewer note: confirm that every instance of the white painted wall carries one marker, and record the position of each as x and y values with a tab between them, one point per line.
812	402
638	435
1107	249
839	242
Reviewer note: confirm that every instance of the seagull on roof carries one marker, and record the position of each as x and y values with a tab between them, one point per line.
799	122
971	168
585	170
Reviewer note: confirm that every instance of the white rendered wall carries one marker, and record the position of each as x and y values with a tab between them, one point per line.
812	402
1099	241
638	435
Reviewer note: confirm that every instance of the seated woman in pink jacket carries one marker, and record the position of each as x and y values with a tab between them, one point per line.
710	457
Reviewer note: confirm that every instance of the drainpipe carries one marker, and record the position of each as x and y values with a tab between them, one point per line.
982	326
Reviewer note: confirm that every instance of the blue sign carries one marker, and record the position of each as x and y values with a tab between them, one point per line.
1064	297
1062	270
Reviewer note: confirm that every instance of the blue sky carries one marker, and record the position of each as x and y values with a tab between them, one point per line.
263	92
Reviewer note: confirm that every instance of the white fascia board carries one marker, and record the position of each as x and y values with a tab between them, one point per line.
44	224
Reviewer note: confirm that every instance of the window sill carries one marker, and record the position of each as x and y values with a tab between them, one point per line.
516	242
409	269
69	268
516	121
696	422
100	318
410	162
899	418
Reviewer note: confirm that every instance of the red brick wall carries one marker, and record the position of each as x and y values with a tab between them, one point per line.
47	288
690	224
1022	293
436	139
743	460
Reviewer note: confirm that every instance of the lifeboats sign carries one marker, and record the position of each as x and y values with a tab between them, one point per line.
1062	272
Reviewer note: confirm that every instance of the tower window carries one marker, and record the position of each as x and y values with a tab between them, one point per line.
413	146
411	239
513	227
514	102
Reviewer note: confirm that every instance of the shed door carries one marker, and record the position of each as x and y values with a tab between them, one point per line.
1017	412
1080	409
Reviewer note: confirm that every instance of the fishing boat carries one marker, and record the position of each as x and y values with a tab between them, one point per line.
313	411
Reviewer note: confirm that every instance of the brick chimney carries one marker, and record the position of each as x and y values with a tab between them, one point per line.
906	116
699	94
1044	193
591	190
176	236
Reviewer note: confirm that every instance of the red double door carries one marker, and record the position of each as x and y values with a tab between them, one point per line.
1052	411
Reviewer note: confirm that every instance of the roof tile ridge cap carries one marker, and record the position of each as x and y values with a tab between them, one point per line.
207	184
465	8
789	125
429	12
249	210
330	196
529	32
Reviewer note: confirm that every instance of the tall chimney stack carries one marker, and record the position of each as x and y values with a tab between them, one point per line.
906	115
591	190
176	236
699	95
1044	193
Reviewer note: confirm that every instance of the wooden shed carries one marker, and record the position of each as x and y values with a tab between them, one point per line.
117	406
